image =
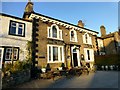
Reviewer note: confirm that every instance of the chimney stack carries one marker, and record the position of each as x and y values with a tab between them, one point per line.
28	9
103	31
80	23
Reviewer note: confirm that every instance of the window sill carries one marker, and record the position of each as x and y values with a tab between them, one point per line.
55	38
73	41
87	43
56	62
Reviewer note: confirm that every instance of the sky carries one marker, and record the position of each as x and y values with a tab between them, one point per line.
93	14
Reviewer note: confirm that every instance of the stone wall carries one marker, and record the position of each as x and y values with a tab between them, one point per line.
15	79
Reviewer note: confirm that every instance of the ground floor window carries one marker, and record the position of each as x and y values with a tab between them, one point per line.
11	54
55	53
88	54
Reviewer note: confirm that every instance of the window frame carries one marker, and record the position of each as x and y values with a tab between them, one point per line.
2	53
75	36
60	54
17	28
13	48
87	39
50	32
89	58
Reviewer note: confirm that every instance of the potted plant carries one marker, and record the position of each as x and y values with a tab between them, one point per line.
48	68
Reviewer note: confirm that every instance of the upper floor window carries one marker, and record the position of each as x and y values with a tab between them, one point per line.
17	28
73	36
54	32
87	39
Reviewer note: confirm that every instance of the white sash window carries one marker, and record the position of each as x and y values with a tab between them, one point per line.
55	53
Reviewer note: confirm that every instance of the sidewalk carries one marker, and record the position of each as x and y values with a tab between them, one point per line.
39	83
100	79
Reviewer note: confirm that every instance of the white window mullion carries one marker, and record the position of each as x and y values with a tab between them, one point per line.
58	34
51	53
1	57
62	54
59	54
17	28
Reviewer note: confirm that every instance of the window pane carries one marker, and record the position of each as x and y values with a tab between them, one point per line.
72	36
15	54
88	53
13	28
74	50
60	53
20	29
8	55
49	53
54	32
55	53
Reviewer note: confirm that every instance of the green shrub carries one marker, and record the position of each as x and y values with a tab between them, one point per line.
17	66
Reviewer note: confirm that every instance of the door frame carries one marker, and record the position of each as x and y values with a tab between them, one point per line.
78	56
1	57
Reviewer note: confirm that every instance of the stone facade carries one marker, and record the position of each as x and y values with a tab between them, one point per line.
110	42
60	42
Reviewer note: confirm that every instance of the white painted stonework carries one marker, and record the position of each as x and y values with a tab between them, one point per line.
15	41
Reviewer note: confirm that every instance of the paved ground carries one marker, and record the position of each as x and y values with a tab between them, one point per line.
100	79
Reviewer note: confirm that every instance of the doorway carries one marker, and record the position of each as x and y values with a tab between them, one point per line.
75	56
75	61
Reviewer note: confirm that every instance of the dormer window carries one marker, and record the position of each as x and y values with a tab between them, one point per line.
73	36
54	32
87	39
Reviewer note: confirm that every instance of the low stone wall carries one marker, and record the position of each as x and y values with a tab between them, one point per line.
15	79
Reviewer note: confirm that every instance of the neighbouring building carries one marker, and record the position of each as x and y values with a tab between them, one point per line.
57	42
108	43
14	36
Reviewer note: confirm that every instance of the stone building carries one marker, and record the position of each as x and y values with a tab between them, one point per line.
14	36
57	42
108	43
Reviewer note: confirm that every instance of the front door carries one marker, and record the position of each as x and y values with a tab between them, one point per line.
75	56
75	61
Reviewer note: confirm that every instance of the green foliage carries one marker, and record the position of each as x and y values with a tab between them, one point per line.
62	65
17	66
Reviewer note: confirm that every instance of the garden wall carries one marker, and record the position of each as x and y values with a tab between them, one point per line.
113	59
15	79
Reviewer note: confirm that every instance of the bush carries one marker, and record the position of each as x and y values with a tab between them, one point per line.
16	67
